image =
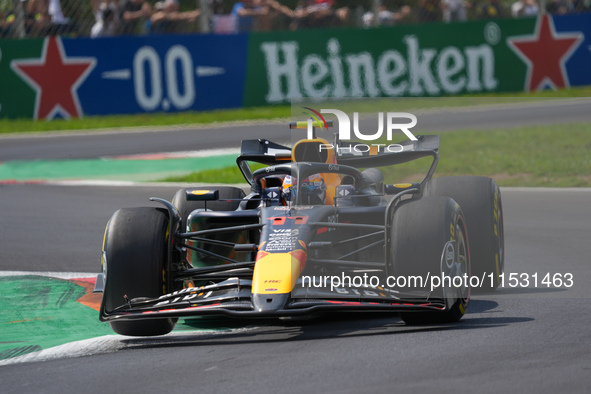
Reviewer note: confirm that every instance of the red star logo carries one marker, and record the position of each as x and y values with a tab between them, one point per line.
545	53
55	78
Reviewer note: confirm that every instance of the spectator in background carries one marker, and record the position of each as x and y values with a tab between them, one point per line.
6	21
559	7
318	13
132	15
429	11
58	23
3	29
277	16
57	16
217	7
261	15
385	16
168	18
582	5
248	8
491	9
38	21
42	18
523	8
106	17
249	14
454	10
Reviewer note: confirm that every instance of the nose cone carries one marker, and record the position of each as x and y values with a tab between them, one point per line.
275	275
269	302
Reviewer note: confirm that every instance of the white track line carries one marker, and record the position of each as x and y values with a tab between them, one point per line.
57	275
178	155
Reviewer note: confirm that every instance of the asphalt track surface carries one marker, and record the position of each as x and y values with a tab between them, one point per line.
513	340
114	143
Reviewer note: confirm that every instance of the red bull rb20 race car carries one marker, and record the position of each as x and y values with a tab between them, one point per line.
319	232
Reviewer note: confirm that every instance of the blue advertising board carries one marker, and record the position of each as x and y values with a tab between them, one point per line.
578	65
68	78
161	73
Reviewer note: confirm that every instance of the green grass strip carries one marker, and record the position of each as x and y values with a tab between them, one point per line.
549	156
121	122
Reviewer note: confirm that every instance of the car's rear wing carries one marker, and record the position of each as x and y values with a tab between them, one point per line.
354	154
392	154
357	154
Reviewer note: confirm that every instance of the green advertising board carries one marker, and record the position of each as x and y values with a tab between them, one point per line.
427	60
16	95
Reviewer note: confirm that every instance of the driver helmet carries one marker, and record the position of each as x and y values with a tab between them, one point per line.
313	189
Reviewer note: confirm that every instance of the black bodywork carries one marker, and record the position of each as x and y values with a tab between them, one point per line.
211	263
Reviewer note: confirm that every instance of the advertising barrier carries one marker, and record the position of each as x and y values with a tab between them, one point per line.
428	60
64	78
60	77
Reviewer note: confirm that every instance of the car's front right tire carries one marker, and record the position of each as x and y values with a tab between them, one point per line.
429	239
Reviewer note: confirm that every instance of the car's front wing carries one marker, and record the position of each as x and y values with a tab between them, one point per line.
233	298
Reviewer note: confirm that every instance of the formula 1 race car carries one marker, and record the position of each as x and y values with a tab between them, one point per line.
315	234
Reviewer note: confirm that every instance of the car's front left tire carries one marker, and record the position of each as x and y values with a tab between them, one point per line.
135	254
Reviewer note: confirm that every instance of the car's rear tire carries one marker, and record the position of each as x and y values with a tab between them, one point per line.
225	192
421	231
480	199
135	253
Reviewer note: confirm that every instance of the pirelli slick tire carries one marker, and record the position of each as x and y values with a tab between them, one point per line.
136	266
429	238
225	192
480	199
